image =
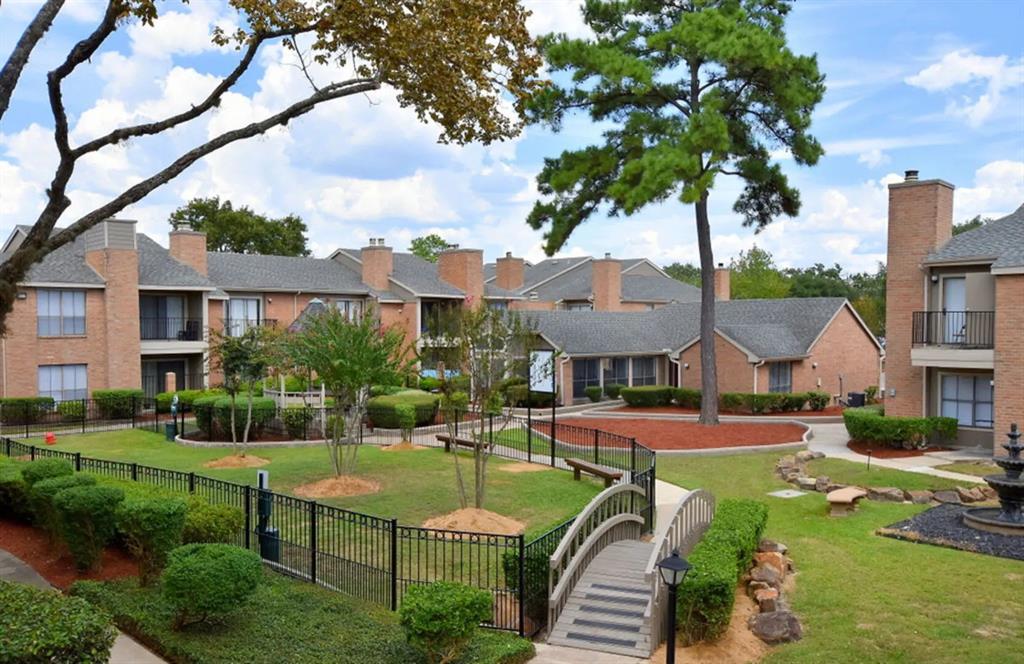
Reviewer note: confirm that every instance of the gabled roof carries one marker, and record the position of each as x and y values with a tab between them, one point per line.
412	272
157	268
64	265
230	271
1000	241
767	329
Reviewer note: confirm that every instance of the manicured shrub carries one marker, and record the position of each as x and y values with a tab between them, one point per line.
44	469
724	553
71	411
206	523
264	409
757	404
296	420
406	415
647	396
203	409
870	425
686	397
186	398
151	527
795	401
516	397
14	494
613	390
385	390
41	496
39	626
593	393
120	404
441	618
429	383
206	581
818	401
381	410
24	410
731	401
88	520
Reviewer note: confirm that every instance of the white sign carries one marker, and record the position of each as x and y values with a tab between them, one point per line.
541	370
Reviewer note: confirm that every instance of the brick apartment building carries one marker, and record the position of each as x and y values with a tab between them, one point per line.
954	314
116	309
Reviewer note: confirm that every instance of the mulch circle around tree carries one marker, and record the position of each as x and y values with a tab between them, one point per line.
831	411
33	546
684	435
886	452
944	526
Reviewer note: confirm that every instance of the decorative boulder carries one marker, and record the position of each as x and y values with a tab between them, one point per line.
822	484
947	496
919	497
772	559
776	627
768	575
806	483
767	599
767	545
885	494
803	456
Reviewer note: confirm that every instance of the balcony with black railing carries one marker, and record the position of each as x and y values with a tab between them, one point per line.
954	329
170	329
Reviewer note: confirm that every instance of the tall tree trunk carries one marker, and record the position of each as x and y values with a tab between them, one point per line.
248	421
708	368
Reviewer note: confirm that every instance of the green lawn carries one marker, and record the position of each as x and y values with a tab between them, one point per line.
415	485
848	472
977	468
864	598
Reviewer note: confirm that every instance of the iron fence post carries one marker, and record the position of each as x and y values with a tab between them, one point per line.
247	497
135	472
597	434
529	436
85	407
133	414
394	564
522	585
7	447
191	482
552	441
78	461
32	453
632	460
312	541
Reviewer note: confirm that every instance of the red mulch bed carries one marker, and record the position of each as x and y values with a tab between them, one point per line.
32	545
886	452
831	411
681	435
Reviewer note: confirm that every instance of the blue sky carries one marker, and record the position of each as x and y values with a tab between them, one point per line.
936	86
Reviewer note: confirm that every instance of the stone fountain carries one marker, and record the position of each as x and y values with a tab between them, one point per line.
1008	518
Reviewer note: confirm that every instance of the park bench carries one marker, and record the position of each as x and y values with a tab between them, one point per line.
456	440
609	475
843	502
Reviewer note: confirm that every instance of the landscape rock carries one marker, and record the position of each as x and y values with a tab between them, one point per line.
767	599
772	559
754	586
806	483
767	545
835	486
776	627
822	483
988	492
766	574
947	496
885	494
970	495
922	497
803	456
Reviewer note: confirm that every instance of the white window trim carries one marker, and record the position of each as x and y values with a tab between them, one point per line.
938	398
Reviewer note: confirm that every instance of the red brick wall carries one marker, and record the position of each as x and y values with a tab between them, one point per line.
189	247
464	269
509	273
920	219
402	315
723	284
1009	356
378	263
735	373
844	348
120	269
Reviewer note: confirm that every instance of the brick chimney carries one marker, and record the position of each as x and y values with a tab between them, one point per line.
188	246
606	284
723	281
464	269
920	220
378	263
509	272
111	249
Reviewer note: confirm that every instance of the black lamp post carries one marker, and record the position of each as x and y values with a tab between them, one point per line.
673	570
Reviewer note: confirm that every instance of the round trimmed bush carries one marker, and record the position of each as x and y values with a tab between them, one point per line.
118	404
207	523
441	618
14	493
45	626
613	390
41	496
264	409
44	469
647	396
151	527
88	520
593	393
205	581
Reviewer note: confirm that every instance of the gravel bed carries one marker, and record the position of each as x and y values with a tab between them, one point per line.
944	526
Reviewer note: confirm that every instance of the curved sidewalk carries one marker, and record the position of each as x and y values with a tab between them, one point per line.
126	650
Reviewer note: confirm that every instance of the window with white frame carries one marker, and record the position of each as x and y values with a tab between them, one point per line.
63	381
60	313
352	309
968	398
644	371
780	376
243	313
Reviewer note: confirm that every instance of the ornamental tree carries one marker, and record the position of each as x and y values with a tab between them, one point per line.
690	90
454	62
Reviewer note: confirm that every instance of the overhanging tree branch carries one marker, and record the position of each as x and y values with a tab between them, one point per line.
15	64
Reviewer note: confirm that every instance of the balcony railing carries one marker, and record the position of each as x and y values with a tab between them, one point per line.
234	327
171	329
955	329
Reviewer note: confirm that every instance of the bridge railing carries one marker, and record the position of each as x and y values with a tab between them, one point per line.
615	514
689	519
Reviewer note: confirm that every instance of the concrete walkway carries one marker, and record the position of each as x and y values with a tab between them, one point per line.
126	650
831	439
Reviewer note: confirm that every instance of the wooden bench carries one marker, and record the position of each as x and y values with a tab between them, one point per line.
843	502
609	475
457	441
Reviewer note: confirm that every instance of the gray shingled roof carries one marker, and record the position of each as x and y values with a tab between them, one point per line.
231	271
1001	241
417	274
157	268
65	265
767	328
547	268
576	285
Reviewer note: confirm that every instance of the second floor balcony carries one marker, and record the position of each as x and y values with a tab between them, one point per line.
954	329
170	329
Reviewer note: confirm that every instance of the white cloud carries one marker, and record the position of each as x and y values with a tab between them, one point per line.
557	16
872	158
415	198
998	190
964	68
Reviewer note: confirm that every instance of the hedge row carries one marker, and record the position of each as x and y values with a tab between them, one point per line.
213	415
24	410
724	553
651	396
119	404
186	398
873	426
383	411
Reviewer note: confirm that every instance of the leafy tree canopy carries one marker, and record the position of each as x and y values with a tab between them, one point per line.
688	273
241	230
977	222
428	247
754	275
818	281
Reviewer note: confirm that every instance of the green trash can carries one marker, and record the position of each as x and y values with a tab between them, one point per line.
170	430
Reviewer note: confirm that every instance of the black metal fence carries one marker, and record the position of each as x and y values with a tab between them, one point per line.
961	329
372	557
80	416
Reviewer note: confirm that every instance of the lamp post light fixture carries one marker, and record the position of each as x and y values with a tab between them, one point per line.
673	570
